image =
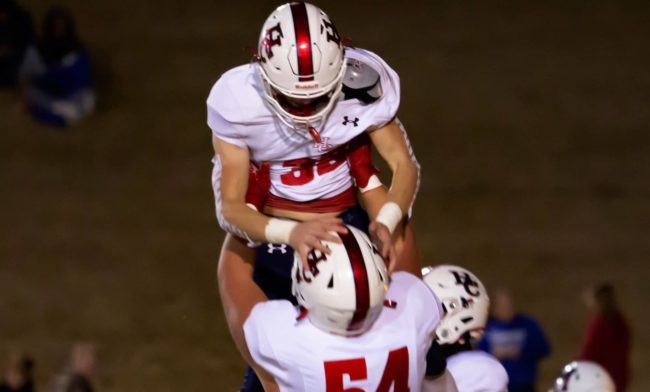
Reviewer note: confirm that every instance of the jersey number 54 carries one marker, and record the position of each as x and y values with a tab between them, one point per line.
396	373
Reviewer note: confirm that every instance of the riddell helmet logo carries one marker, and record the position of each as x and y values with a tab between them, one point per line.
307	86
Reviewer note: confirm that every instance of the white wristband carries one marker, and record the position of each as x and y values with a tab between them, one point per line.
390	215
277	231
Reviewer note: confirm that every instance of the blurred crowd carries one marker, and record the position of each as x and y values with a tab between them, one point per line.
519	341
49	69
76	375
516	339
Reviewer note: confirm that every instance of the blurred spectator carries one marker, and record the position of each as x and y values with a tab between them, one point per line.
517	341
78	374
19	376
607	339
55	75
16	34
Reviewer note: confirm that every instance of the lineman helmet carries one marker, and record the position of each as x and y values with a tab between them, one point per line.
343	292
584	376
464	301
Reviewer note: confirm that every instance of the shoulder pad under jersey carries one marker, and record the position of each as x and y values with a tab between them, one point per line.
361	82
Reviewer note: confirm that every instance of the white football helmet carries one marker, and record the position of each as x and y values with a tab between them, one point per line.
464	301
343	292
301	62
584	376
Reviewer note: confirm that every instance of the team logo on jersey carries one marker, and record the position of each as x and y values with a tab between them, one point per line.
467	281
282	248
273	37
324	145
346	121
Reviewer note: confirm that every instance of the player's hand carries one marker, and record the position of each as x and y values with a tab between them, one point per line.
310	235
383	240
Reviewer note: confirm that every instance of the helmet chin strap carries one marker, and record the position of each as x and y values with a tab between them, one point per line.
303	313
315	135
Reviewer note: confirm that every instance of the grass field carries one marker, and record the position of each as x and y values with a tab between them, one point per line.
531	121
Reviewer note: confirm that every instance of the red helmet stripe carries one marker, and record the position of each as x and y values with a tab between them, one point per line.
303	41
361	284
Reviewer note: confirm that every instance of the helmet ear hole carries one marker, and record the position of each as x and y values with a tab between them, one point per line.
466	320
330	285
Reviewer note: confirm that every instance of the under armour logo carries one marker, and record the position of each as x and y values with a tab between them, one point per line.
466	280
280	247
346	121
324	145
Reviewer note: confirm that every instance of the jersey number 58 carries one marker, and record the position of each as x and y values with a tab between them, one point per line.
396	373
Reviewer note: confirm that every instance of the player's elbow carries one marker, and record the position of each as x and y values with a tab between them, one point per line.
228	213
409	169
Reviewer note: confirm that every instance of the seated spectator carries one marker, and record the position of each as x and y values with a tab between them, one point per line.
55	75
19	376
517	341
607	339
77	375
16	34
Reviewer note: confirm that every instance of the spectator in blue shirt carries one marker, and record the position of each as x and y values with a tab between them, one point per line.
55	74
517	341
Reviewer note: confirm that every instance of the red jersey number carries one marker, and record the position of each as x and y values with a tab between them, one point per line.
396	373
303	170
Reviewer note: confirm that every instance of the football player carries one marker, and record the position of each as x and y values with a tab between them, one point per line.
273	261
295	109
583	376
465	305
356	329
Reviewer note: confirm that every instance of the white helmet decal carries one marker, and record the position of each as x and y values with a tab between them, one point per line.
464	300
272	37
343	291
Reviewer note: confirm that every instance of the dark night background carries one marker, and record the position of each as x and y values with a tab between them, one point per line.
530	119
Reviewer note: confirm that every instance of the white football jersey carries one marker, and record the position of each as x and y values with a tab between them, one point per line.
391	356
300	169
477	371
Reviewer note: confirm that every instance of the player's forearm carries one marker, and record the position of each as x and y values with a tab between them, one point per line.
245	222
402	190
400	196
393	145
404	184
238	218
373	200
